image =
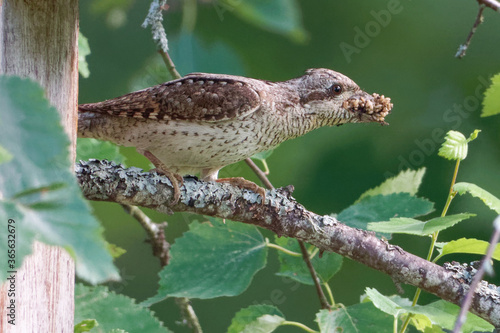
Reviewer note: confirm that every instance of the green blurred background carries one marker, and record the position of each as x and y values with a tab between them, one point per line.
409	56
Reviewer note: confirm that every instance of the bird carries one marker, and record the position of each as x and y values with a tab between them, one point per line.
202	122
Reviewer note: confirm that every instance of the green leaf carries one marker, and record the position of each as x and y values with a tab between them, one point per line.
404	225
455	145
439	313
262	156
491	101
358	318
280	16
87	148
466	245
38	190
384	303
407	181
83	51
296	269
256	318
116	251
212	260
114	311
382	208
85	325
489	199
5	155
444	314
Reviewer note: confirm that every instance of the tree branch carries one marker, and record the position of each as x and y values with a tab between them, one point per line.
106	181
305	255
493	4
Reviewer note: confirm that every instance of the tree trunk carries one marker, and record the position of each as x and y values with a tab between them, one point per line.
39	40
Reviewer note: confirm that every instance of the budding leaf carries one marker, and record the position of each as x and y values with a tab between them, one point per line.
455	145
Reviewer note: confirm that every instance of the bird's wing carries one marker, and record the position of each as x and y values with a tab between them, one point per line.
195	97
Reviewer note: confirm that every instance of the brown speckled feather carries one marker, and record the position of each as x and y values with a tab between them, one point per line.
196	97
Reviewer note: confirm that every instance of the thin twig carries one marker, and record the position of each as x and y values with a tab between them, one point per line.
462	49
493	4
305	255
170	64
478	277
317	282
155	232
262	176
187	312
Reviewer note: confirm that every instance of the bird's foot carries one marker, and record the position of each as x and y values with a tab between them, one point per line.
174	178
245	184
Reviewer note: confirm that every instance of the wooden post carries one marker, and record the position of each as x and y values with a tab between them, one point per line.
39	40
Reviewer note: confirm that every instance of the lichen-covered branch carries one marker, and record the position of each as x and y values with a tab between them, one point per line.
280	213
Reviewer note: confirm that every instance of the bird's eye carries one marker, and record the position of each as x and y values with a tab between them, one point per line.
336	89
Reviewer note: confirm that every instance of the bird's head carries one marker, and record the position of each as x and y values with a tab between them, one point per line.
334	99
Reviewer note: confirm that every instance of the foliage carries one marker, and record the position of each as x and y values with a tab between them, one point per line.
212	259
100	305
491	102
37	189
215	258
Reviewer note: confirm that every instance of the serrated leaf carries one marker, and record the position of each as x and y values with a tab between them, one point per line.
467	245
256	318
383	208
114	311
407	181
444	314
404	225
280	16
116	251
85	325
296	269
424	324
212	260
358	318
87	148
491	101
440	313
489	199
384	303
83	51
455	145
37	188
